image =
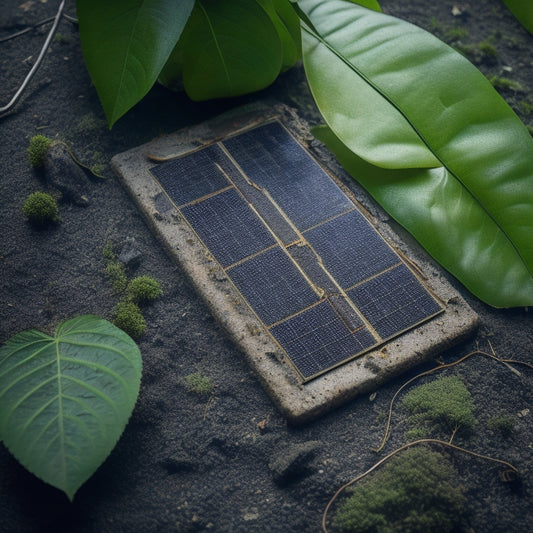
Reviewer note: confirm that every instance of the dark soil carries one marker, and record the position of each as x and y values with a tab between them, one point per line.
192	463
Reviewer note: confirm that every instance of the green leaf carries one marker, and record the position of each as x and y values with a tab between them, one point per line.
402	100
65	400
287	25
126	43
229	49
370	4
523	11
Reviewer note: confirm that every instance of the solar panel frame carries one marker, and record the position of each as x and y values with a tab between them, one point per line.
299	400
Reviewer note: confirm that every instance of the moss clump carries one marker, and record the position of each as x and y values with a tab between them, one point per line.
445	403
504	84
139	290
128	318
41	208
107	251
37	149
116	273
144	289
456	34
504	425
415	492
417	433
198	383
488	49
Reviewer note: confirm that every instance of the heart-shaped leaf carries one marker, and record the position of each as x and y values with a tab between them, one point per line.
400	99
65	400
126	43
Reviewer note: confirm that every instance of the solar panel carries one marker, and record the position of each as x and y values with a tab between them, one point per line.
323	282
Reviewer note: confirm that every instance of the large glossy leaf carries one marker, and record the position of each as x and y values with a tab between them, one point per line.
370	4
523	11
431	205
65	400
126	43
287	25
401	99
229	49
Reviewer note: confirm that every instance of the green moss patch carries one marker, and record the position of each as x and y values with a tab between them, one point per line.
198	383
416	492
37	149
140	290
41	208
444	404
144	289
129	318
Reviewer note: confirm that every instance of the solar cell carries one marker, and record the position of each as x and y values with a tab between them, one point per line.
228	227
350	248
273	286
194	175
317	338
394	301
273	159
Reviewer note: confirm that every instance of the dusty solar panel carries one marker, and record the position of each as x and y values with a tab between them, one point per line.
316	273
285	250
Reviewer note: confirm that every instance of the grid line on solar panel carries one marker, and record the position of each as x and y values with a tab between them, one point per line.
274	160
228	227
263	203
348	314
304	256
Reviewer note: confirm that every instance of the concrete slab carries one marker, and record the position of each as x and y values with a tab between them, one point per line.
298	399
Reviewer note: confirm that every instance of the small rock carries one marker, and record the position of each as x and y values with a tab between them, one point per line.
179	462
65	175
250	514
460	11
292	462
129	253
